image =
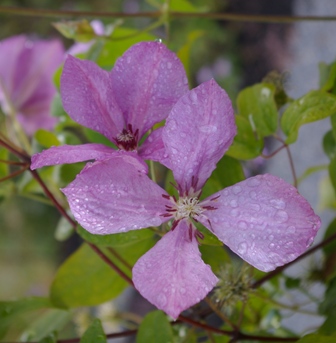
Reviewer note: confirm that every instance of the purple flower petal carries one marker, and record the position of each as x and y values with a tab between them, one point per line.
198	131
26	71
262	219
116	195
154	149
147	81
87	97
71	154
172	275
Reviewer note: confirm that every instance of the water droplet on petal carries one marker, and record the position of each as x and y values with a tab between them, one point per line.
278	204
291	229
242	225
253	182
161	300
309	242
253	195
271	237
281	216
233	203
183	290
242	248
236	189
234	213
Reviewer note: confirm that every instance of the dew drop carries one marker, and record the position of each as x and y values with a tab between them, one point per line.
242	248
281	216
174	151
253	182
271	245
242	225
291	229
183	290
236	189
289	245
233	203
234	213
309	242
271	237
253	195
169	65
278	204
161	300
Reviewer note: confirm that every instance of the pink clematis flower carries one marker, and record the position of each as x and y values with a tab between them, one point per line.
262	219
123	104
26	80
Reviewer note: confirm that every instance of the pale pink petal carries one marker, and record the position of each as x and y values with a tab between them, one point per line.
71	154
87	97
154	149
262	219
147	81
198	131
172	275
116	195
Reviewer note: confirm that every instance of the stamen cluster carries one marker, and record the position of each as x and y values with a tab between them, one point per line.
127	140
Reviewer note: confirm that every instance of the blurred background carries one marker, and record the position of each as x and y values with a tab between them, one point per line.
236	54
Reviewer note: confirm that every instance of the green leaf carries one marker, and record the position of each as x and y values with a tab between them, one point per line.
332	172
53	320
120	40
10	310
316	338
94	333
64	229
46	138
79	30
51	338
328	305
331	247
313	106
215	256
257	105
155	328
117	239
246	145
327	76
327	196
184	52
97	137
4	170
328	327
182	6
57	109
329	144
85	279
228	172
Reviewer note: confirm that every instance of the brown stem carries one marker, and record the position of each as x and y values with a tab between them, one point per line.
14	163
111	264
273	153
39	12
277	271
14	149
16	173
120	258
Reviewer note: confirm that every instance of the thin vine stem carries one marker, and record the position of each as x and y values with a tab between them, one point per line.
47	13
16	173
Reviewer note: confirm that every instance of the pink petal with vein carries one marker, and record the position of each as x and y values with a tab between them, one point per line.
147	81
71	154
198	131
87	97
172	275
154	149
116	195
262	219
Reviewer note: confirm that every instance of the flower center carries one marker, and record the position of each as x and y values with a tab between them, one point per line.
127	140
187	208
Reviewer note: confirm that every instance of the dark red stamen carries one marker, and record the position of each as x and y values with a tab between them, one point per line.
199	235
210	208
212	199
210	225
190	232
165	196
175	224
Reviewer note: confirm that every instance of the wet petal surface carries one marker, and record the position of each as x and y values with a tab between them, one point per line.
198	131
147	81
172	275
264	220
116	195
88	98
71	154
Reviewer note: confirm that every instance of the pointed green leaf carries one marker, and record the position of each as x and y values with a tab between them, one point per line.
329	144
51	321
313	106
85	279
257	105
117	239
46	138
246	144
228	172
155	328
215	256
79	30
94	333
327	76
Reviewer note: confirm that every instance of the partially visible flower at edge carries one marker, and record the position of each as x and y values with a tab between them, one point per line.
26	80
122	104
262	219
